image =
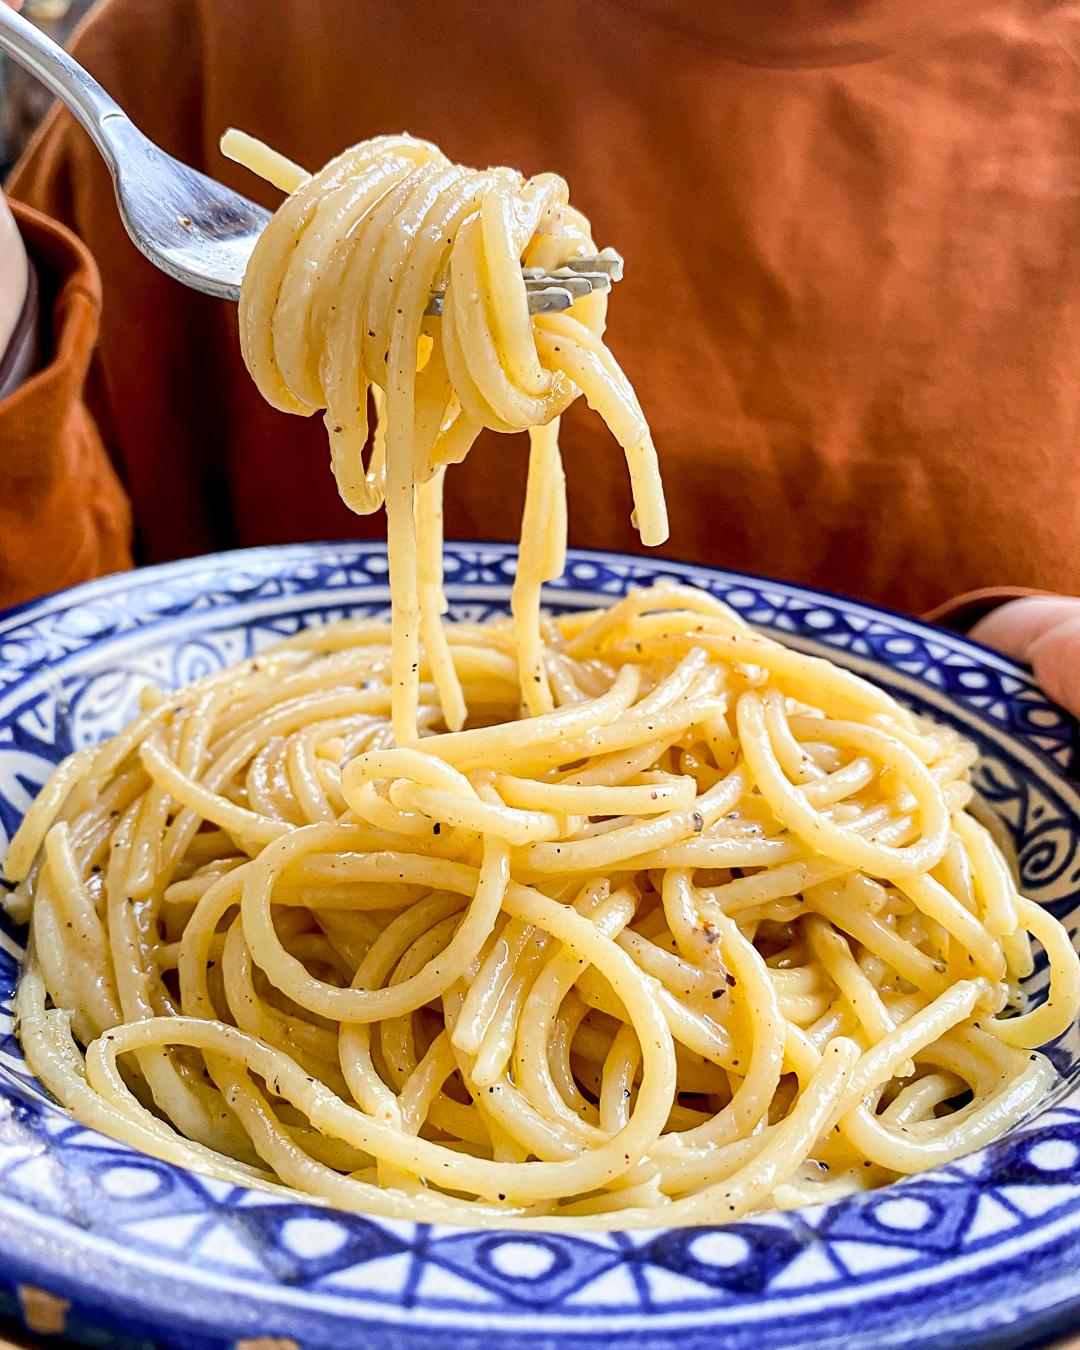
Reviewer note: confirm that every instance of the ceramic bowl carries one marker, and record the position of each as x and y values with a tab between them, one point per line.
108	1247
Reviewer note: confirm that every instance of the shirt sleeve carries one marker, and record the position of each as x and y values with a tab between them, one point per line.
64	516
964	611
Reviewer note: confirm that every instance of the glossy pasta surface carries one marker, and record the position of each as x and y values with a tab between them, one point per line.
333	315
715	933
627	918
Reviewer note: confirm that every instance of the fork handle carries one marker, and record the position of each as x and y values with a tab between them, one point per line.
75	87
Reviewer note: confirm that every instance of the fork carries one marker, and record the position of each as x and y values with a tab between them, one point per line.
193	227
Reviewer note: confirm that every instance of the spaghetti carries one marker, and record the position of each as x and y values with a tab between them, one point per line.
625	918
334	304
715	933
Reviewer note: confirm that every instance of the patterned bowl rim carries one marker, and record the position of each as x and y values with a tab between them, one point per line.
977	1288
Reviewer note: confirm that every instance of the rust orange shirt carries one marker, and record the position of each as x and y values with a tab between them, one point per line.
63	515
852	298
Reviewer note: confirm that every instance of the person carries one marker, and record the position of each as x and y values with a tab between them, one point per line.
849	309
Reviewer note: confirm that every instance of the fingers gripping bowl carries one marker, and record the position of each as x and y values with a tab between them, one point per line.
179	623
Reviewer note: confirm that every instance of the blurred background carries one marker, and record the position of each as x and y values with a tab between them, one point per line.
23	101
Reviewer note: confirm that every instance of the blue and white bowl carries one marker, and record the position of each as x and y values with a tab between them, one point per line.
113	1248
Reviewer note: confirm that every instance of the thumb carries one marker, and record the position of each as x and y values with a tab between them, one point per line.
1042	631
1055	659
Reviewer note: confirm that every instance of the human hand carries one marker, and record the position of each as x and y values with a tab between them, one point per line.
1042	631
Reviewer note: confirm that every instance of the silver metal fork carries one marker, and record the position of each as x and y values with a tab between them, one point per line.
194	228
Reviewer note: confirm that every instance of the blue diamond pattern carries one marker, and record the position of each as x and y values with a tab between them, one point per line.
739	1258
530	1270
267	1228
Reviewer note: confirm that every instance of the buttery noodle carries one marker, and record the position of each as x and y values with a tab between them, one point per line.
333	306
626	918
715	933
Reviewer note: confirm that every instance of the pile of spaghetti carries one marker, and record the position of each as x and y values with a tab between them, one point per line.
714	934
623	918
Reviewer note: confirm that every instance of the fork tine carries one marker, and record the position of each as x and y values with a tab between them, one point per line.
571	279
573	282
549	292
543	299
607	261
547	299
